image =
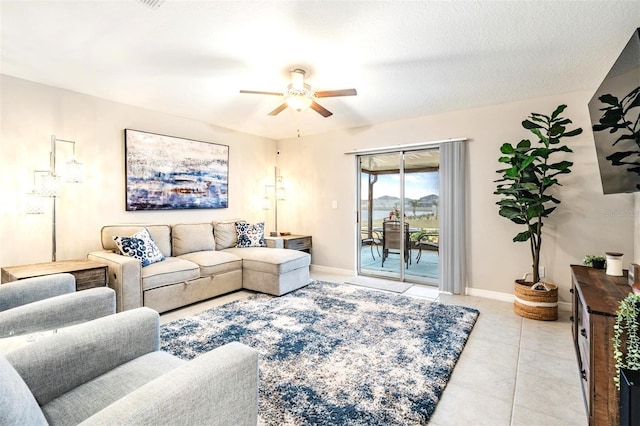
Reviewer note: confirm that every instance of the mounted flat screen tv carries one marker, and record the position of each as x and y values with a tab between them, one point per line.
615	111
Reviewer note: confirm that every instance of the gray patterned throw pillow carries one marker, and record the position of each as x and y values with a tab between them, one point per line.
250	235
140	246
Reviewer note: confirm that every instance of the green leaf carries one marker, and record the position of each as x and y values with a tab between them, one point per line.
539	135
575	132
530	125
522	236
512	172
504	160
556	129
507	148
523	145
558	111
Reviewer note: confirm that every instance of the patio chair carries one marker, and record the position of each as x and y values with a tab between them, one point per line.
392	240
371	238
423	242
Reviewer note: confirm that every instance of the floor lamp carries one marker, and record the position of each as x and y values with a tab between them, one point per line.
279	193
50	186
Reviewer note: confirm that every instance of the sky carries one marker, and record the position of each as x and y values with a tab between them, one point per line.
417	185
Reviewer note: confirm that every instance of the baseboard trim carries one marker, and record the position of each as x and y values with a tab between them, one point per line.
329	270
486	294
507	297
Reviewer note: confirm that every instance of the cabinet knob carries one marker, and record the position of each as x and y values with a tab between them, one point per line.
570	290
583	374
583	333
571	318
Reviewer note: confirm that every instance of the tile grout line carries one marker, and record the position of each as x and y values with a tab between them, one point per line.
515	384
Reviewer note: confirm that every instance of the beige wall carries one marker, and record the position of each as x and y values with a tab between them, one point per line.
587	222
32	112
316	171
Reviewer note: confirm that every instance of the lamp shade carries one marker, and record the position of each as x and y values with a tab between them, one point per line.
34	203
50	186
74	171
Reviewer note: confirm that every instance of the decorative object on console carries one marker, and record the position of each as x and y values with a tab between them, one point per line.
167	172
250	235
276	191
49	186
525	201
614	264
634	274
595	261
140	246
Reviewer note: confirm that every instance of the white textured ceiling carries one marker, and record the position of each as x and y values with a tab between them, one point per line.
405	58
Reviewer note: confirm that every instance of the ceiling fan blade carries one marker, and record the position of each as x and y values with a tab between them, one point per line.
320	109
278	110
334	93
256	92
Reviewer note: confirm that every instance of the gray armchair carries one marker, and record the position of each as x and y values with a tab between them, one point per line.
110	371
50	302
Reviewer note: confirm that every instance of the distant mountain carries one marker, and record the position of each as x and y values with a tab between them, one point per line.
388	201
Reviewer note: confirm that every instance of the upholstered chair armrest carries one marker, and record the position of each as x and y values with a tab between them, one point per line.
56	312
125	277
217	388
55	365
28	290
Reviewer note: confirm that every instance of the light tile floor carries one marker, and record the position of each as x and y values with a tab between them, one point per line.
513	371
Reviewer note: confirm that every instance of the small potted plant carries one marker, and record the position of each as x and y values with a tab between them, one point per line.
595	261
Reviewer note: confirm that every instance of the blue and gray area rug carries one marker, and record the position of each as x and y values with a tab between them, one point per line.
333	354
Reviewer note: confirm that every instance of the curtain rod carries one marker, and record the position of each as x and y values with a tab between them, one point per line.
406	147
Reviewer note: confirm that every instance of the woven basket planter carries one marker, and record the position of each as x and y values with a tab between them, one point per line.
539	305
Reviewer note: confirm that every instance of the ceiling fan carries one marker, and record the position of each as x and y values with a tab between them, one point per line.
299	95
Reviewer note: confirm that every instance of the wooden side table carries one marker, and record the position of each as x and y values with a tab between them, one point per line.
297	242
88	273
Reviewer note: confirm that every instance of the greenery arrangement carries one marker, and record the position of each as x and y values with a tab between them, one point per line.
626	335
530	174
588	259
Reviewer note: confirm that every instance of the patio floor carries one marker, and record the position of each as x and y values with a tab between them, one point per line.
425	271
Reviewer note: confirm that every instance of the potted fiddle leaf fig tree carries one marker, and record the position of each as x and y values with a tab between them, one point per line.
531	172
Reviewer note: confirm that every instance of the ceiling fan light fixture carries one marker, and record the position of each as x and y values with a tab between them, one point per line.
297	79
298	103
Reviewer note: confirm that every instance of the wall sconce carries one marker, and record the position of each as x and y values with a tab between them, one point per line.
50	186
279	194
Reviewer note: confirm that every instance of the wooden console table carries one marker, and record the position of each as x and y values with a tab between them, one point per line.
595	300
88	273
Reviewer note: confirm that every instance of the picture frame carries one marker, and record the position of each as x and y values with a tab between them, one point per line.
170	173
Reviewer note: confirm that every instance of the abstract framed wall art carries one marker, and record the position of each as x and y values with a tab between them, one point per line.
168	172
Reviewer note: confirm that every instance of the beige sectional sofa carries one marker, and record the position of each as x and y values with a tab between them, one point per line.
201	261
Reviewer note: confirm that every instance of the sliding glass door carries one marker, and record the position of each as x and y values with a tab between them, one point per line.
398	215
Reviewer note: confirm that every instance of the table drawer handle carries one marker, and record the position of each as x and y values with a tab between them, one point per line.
583	333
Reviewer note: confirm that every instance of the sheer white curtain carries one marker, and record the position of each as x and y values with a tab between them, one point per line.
453	272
